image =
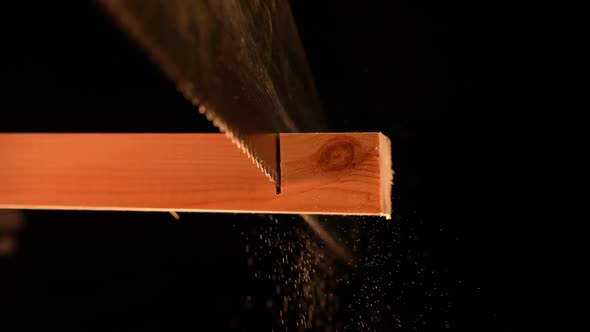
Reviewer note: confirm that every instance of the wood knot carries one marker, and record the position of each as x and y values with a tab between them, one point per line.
336	156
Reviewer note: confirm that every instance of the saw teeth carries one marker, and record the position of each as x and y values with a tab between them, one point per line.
135	27
236	139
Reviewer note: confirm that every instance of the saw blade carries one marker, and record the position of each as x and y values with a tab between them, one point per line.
239	61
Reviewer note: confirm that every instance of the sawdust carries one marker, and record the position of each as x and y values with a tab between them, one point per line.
382	283
306	261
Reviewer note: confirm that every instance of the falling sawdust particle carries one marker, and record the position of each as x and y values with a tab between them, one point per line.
301	270
308	276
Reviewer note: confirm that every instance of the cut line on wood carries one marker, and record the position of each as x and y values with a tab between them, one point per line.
321	173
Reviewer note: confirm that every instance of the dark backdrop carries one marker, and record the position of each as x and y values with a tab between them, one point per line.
429	75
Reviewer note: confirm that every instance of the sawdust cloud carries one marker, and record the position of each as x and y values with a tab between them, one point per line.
374	286
310	263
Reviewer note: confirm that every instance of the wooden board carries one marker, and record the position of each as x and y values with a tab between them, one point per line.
322	173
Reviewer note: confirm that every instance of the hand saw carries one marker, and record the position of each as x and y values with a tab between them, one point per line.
239	61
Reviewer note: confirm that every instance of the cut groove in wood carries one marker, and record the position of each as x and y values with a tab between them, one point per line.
322	173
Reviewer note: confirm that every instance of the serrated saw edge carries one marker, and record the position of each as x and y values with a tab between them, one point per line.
128	23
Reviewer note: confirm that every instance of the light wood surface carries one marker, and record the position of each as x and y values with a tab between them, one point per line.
322	173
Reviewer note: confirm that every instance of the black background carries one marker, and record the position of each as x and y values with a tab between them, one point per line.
430	75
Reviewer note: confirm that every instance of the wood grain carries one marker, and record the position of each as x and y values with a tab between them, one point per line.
327	173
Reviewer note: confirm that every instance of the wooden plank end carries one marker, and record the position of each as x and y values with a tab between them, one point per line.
387	174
